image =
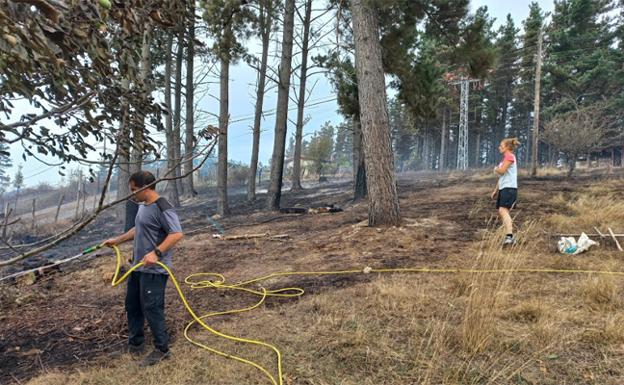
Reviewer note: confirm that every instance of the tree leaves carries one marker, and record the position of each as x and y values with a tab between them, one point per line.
75	61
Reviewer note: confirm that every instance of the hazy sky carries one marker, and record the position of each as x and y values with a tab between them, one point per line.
322	106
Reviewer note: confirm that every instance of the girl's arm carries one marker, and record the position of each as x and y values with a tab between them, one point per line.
493	195
503	169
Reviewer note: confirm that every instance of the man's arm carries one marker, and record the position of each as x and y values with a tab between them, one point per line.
170	241
128	236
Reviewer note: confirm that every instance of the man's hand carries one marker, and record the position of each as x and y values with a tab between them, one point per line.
111	242
150	258
494	193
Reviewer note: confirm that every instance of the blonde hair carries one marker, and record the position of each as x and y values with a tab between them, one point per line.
510	143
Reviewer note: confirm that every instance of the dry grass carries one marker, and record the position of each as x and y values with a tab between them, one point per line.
600	292
530	311
497	329
488	292
598	207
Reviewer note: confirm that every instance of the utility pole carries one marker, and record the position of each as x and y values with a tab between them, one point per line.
536	107
462	149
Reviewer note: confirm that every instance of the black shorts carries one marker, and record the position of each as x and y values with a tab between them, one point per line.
507	198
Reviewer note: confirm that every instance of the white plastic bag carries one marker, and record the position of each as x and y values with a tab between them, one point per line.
570	246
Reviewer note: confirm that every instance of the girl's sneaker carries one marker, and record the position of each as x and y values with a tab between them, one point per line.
509	241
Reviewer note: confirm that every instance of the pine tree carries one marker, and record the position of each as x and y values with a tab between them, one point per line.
18	183
228	23
264	26
524	92
499	93
343	148
381	183
580	61
274	193
320	148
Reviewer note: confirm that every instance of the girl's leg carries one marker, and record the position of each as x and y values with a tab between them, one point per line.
506	218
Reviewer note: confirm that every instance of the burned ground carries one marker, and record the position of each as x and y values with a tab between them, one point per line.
73	318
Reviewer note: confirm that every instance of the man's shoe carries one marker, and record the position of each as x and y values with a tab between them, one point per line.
135	351
155	357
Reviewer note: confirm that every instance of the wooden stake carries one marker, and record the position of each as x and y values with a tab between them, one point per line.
58	208
7	212
77	202
84	198
32	226
615	239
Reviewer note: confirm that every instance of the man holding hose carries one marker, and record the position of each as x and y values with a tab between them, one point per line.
157	229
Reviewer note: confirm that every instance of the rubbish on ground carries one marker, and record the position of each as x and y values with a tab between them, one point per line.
324	209
312	210
568	245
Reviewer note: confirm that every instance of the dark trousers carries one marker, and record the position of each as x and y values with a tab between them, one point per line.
145	299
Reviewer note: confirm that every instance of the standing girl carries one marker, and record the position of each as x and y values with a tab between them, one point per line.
506	191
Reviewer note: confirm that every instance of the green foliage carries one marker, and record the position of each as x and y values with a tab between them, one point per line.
577	131
18	179
343	146
229	23
238	173
581	60
403	132
68	63
342	75
320	148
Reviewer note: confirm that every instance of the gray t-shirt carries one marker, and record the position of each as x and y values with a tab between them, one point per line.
152	225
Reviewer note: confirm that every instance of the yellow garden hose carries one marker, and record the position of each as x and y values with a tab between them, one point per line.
215	280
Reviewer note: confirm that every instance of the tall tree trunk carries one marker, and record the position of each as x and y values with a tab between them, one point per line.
281	116
222	197
265	23
501	130
296	171
172	189
138	128
478	151
571	164
381	183
124	143
442	162
426	148
359	169
178	111
190	101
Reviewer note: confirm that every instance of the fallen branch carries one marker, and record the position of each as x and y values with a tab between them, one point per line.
249	236
588	234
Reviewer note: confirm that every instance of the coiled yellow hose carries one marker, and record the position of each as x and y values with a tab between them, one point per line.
215	280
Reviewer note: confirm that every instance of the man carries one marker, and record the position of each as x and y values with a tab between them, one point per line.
157	229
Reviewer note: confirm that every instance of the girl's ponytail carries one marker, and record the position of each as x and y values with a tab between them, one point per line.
511	143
